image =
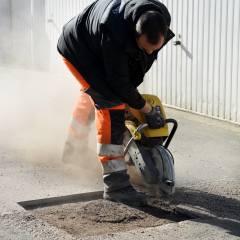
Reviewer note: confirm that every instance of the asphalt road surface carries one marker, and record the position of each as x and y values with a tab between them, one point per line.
35	111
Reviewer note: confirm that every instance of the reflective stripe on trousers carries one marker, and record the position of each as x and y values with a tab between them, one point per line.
115	153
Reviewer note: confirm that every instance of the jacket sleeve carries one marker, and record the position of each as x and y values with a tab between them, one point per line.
117	70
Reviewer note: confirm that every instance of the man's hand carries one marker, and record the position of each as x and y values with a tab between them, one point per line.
154	119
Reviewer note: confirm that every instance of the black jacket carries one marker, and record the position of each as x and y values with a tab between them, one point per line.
100	44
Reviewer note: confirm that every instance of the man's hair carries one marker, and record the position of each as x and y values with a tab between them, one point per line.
153	25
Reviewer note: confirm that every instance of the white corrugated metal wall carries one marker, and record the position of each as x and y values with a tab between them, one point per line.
21	32
58	13
201	75
5	33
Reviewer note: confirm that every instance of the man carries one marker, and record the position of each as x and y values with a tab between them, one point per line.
108	48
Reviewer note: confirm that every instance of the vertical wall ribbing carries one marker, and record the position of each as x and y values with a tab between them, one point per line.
201	75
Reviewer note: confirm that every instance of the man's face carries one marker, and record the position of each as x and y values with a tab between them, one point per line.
147	47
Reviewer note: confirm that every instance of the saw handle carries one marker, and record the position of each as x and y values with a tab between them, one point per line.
175	125
169	139
139	129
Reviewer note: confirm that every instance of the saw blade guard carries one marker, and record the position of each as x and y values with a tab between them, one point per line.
136	154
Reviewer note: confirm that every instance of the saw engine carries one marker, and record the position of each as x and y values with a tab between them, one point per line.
147	149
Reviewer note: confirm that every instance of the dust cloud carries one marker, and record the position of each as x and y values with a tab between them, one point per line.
35	112
35	103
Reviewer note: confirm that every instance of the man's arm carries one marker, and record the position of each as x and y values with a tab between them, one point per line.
118	74
118	77
146	109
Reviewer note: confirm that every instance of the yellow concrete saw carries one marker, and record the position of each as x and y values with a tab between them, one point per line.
147	149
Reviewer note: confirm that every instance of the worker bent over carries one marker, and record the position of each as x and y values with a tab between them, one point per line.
108	48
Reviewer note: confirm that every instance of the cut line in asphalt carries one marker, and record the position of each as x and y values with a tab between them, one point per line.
81	197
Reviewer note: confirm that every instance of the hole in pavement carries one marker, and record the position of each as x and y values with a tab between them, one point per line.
88	214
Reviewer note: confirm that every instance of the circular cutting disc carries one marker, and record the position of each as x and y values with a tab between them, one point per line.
163	162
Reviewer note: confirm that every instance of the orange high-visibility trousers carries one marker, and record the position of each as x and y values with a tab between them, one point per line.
110	125
79	125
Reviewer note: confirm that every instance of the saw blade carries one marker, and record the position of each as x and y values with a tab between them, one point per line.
163	162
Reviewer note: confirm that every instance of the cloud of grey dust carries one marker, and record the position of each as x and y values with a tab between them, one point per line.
36	106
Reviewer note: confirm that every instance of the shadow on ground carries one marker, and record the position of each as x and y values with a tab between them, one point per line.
216	201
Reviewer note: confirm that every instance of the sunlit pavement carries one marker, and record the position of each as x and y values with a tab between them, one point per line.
35	110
